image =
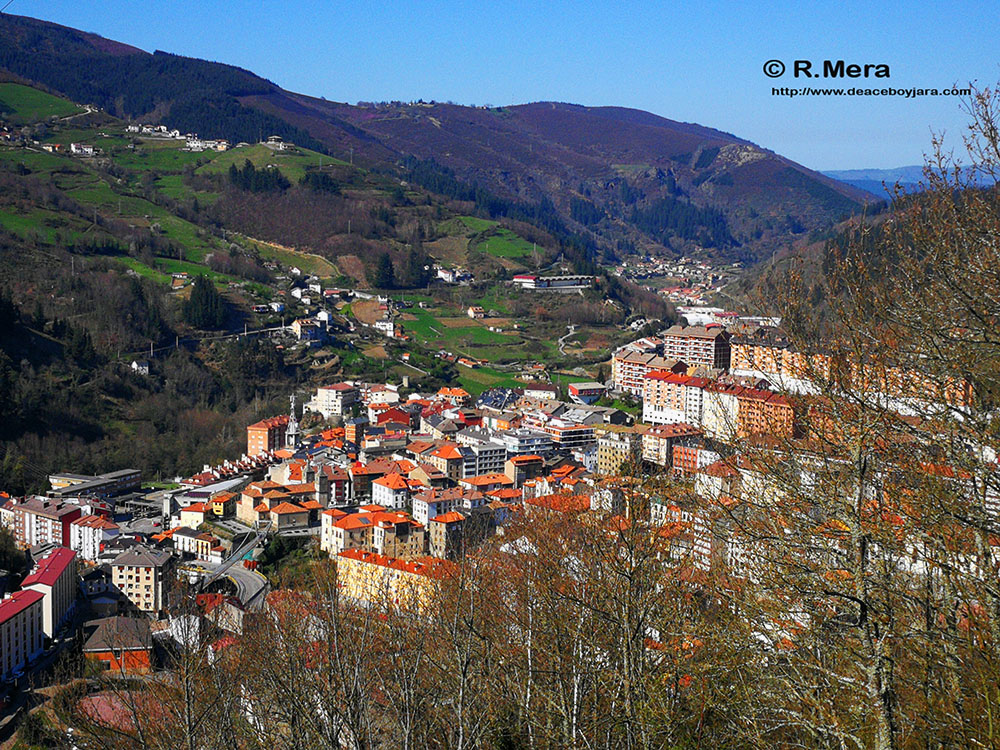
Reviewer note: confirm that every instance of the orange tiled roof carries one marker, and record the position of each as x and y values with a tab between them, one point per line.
285	508
392	481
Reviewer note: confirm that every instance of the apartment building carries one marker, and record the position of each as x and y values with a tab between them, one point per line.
88	534
522	442
734	412
658	443
629	367
266	435
704	346
433	503
54	577
40	520
21	631
387	533
616	449
668	398
382	581
391	491
334	400
144	576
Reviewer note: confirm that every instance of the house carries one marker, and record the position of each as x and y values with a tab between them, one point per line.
194	515
120	644
541	391
140	366
81	149
288	516
476	312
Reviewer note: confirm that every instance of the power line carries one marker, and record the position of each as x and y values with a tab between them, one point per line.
6	6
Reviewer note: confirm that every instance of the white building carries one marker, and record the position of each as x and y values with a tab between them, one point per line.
54	577
21	619
334	400
391	491
88	534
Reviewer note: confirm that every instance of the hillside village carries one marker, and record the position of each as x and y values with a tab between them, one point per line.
315	432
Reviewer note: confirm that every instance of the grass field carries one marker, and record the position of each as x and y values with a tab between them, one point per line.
292	164
36	161
503	243
483	378
23	104
145	271
307	262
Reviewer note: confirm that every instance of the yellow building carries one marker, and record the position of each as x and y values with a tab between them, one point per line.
375	579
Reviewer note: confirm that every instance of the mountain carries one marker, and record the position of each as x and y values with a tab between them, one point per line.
881	181
604	181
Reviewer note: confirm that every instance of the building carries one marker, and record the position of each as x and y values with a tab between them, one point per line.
41	520
704	346
288	516
143	575
733	411
121	644
617	449
522	442
381	581
433	503
334	400
389	533
107	485
658	442
586	393
523	468
266	435
55	578
668	398
391	491
566	283
629	366
445	537
201	545
88	534
568	435
21	622
541	391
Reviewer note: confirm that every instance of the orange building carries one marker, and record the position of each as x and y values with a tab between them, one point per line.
266	435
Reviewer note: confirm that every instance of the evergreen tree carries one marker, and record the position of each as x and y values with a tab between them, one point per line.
384	274
205	307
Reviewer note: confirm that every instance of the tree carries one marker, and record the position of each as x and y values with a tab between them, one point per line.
205	308
868	541
383	275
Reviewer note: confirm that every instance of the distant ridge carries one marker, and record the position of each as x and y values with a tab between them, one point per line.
611	180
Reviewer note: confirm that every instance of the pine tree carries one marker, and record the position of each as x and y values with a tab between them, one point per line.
205	308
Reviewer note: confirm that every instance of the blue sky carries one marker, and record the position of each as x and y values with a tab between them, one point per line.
690	61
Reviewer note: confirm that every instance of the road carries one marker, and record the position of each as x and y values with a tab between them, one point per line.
562	340
251	587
